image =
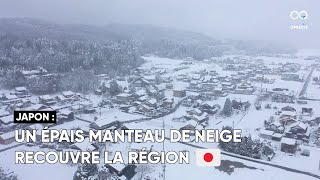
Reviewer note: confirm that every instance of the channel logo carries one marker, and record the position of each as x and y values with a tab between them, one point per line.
208	157
295	15
299	18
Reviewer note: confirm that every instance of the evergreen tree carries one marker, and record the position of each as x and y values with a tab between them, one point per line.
114	88
227	109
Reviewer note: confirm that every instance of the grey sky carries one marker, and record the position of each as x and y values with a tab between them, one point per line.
237	19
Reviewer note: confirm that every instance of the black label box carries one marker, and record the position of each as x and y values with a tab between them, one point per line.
35	117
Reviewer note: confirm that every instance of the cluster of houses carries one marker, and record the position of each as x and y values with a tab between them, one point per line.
290	129
197	114
219	85
145	97
67	104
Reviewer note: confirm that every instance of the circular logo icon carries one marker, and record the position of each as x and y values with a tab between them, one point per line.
294	15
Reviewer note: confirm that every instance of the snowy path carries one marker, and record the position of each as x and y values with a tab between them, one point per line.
306	83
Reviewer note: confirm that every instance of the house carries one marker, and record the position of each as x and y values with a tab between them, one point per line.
146	109
167	103
151	103
37	107
67	94
21	91
266	134
9	98
26	103
197	112
288	145
65	115
200	119
169	86
178	92
5	120
287	120
210	107
7	138
289	114
189	125
276	127
299	127
140	83
277	136
298	130
61	99
47	100
288	108
306	111
84	146
104	124
187	102
123	98
139	93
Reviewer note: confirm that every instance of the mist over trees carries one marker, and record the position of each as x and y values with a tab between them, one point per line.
114	49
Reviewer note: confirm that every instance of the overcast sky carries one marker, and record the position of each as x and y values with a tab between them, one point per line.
236	19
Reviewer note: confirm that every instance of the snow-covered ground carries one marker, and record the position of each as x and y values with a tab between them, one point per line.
232	168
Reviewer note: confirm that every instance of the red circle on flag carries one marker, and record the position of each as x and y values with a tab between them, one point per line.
208	157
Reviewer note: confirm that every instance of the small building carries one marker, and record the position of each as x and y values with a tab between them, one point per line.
287	120
21	91
123	98
190	125
61	99
5	120
47	100
288	145
7	138
266	134
67	94
179	92
276	127
169	86
167	103
84	146
65	115
277	136
307	111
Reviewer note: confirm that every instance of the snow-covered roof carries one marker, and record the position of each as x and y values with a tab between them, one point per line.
10	96
67	93
190	122
20	88
266	132
289	113
152	101
85	145
141	92
102	122
35	107
46	97
277	135
123	95
288	141
7	119
299	125
61	97
8	135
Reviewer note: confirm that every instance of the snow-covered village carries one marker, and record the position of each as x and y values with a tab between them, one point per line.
127	77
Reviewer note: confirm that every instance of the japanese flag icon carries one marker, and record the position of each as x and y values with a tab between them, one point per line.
208	157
